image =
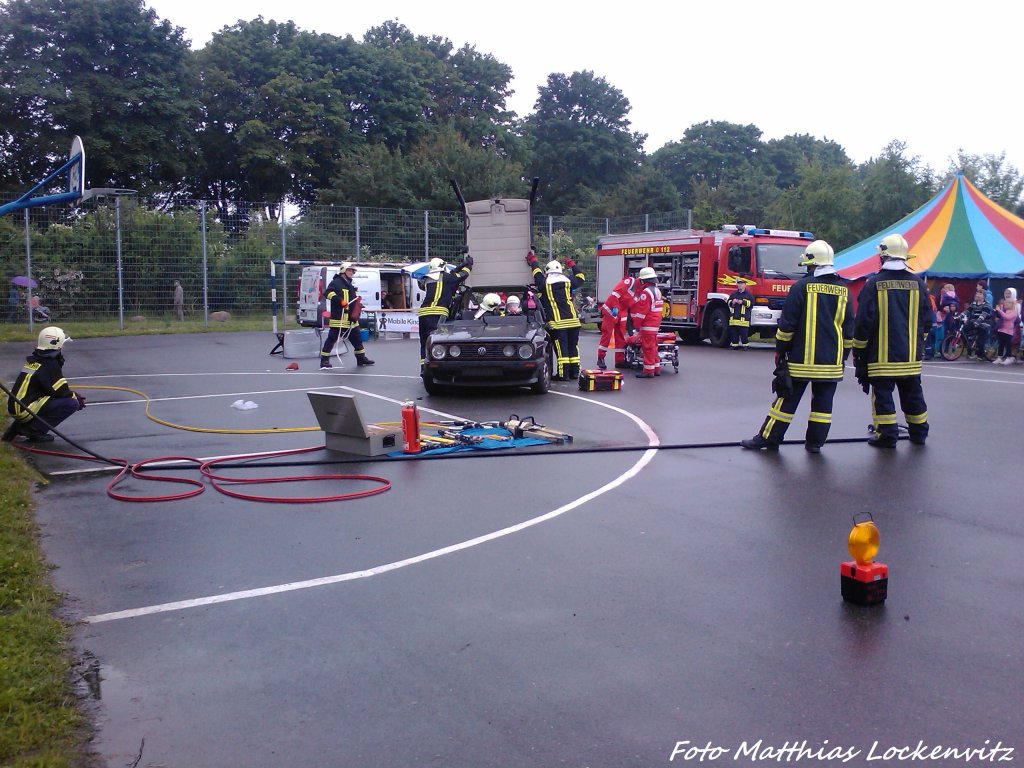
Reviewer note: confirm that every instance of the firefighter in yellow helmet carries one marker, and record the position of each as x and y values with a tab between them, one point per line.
555	289
893	316
41	393
814	338
346	306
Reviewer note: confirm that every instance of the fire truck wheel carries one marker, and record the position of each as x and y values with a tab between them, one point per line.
718	327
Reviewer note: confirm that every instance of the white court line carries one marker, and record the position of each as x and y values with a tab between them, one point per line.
644	460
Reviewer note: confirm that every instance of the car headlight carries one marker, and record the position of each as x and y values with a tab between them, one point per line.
438	352
454	350
508	350
525	351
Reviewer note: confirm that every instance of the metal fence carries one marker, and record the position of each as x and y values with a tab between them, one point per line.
112	258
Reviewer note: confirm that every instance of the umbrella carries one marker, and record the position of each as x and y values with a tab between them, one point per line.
24	282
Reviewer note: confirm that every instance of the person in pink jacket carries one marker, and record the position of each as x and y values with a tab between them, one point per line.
1007	319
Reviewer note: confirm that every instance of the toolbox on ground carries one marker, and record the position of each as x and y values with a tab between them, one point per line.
594	380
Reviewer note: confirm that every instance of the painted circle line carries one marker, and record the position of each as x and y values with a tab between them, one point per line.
227	597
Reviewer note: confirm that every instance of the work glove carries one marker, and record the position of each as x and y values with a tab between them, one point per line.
81	401
531	259
782	384
467	261
570	263
613	311
860	369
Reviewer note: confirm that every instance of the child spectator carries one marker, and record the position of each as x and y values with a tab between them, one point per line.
1007	321
949	305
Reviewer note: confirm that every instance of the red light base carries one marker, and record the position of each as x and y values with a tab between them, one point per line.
864	584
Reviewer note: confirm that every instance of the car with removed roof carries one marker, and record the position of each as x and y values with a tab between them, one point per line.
474	349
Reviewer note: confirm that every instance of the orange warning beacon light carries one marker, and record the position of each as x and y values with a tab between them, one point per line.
864	581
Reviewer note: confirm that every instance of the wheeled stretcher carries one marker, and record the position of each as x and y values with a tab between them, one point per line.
668	352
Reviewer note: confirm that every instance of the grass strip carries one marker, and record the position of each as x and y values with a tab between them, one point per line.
41	722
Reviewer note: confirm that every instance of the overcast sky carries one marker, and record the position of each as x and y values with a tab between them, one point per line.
939	76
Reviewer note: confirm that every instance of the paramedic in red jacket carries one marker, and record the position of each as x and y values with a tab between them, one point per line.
646	314
614	313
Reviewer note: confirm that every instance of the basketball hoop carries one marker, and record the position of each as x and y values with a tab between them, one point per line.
42	193
101	193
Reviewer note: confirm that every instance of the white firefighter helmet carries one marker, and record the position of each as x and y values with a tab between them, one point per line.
434	267
553	268
346	266
513	304
647	273
488	303
52	337
894	246
819	253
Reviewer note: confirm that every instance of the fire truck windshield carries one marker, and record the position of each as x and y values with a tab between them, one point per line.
780	260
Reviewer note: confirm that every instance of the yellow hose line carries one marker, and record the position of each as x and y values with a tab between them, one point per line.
172	425
185	428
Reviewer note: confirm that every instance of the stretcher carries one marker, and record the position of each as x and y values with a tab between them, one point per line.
668	351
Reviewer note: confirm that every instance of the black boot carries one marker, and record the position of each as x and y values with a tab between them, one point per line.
325	363
11	432
757	443
363	360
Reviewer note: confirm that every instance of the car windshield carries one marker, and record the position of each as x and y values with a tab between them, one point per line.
780	260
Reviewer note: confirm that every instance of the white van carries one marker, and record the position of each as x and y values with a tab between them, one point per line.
389	291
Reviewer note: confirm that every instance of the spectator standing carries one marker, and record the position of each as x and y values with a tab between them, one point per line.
949	305
1007	321
179	301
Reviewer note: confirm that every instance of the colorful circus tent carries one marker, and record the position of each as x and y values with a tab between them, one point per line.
959	233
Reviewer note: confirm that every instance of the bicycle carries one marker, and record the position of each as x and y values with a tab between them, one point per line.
964	335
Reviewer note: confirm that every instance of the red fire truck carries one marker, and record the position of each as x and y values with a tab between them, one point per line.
697	271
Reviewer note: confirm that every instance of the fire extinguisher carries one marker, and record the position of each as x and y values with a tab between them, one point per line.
410	427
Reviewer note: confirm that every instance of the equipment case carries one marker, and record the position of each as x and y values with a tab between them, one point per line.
595	380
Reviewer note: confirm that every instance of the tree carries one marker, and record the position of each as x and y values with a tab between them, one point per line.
280	106
787	154
644	190
710	152
377	176
460	89
827	201
110	72
581	140
997	180
893	185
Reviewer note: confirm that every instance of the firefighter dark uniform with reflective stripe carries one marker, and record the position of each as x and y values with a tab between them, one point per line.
42	391
815	336
555	291
741	304
893	316
439	288
344	323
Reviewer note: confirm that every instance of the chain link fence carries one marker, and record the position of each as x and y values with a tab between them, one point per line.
112	258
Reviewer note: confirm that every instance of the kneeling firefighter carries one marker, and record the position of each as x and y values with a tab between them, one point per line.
41	393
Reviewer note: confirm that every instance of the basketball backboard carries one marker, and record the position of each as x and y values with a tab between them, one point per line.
44	193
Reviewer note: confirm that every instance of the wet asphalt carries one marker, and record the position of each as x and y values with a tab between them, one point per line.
599	605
